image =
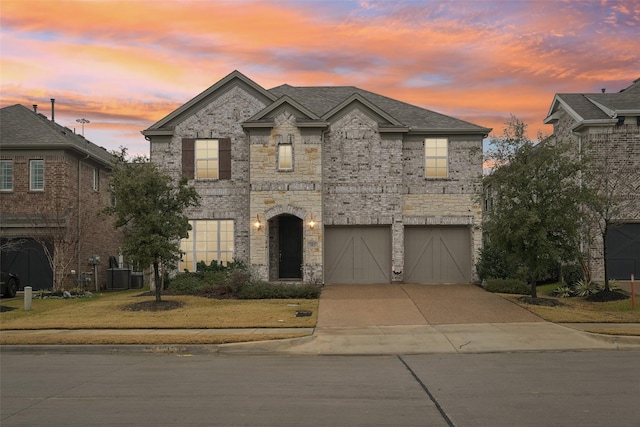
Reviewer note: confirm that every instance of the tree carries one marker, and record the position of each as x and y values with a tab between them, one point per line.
535	215
612	176
149	206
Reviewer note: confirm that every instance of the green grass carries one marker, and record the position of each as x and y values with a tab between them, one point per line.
578	310
107	311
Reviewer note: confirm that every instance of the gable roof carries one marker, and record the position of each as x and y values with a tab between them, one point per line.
326	100
318	104
597	108
22	128
165	125
265	116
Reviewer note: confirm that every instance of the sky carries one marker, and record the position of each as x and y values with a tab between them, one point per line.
123	65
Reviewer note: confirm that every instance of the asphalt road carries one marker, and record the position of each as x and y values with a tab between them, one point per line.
501	389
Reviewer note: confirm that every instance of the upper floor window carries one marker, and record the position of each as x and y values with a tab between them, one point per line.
36	175
96	179
285	152
436	157
207	156
6	175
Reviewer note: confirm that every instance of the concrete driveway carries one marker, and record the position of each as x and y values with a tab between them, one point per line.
407	304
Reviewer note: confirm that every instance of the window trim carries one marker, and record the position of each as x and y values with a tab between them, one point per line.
9	175
436	140
285	144
190	244
96	179
196	159
32	162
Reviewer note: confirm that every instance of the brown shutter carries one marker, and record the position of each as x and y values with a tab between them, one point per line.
188	158
224	149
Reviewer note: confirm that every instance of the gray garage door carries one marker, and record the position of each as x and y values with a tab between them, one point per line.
357	255
437	255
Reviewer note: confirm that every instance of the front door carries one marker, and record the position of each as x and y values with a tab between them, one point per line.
290	247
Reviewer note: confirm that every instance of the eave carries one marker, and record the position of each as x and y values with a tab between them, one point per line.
44	146
484	132
593	123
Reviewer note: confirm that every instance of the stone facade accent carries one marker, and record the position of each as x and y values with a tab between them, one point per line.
350	167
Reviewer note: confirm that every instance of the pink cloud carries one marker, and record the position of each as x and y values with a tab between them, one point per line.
126	63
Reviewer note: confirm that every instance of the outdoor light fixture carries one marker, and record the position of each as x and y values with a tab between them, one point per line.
258	224
312	223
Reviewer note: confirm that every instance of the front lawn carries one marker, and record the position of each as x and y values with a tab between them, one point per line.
579	310
108	310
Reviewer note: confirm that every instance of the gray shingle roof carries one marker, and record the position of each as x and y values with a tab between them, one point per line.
22	128
321	99
601	106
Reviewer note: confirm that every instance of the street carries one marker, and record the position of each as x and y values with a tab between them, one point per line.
497	389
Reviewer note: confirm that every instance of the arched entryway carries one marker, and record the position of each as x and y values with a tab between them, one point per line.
285	247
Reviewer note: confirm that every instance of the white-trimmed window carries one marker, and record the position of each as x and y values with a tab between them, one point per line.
207	158
436	157
6	175
209	239
36	175
285	153
96	179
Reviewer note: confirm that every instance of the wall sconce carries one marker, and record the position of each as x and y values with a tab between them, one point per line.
258	224
312	223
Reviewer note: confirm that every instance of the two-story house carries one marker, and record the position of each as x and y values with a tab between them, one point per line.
605	128
53	186
325	184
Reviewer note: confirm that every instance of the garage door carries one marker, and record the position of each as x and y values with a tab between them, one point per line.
437	255
624	251
357	255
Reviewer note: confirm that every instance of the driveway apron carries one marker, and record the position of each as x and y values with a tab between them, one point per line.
411	304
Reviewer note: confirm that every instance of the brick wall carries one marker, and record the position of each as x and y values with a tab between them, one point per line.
349	174
78	215
614	152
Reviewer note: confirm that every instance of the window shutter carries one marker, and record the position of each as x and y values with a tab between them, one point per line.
188	158
224	149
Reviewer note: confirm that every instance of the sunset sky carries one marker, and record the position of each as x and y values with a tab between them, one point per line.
124	65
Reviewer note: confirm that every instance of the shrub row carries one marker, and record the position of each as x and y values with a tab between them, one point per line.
234	281
506	286
264	290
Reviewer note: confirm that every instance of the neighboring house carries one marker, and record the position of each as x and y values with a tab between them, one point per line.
606	128
326	184
53	186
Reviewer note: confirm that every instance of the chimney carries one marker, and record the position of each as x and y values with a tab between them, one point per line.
35	108
53	112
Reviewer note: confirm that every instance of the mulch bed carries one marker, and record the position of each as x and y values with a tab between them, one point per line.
604	296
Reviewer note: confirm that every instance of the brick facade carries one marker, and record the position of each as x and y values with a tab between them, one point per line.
346	171
69	208
604	129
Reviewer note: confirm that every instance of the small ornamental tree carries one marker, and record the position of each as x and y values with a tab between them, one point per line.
149	206
536	193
